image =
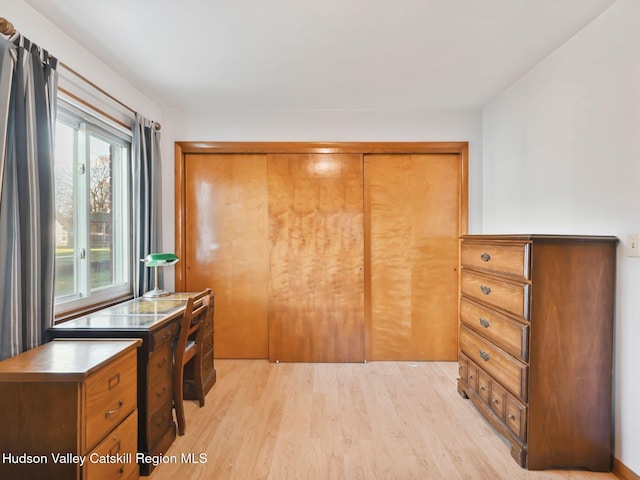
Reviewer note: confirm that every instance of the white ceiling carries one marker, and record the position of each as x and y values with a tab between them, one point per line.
320	54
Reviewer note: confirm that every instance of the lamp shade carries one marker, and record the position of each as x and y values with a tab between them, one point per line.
160	259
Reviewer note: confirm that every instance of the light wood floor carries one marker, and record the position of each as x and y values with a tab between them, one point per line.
382	420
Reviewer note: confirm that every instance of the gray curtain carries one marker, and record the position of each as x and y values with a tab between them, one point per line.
28	92
147	200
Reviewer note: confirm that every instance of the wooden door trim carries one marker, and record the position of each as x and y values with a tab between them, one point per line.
184	148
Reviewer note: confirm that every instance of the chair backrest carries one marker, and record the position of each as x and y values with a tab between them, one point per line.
195	314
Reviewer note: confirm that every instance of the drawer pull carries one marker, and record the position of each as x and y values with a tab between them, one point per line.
482	389
108	413
115	449
511	416
162	392
485	289
484	355
162	362
496	401
484	322
485	257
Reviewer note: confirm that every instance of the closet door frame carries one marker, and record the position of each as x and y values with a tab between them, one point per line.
182	149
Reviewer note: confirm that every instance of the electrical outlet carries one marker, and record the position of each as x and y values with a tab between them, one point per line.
633	245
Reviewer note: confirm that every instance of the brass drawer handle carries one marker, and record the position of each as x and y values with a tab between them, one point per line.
511	416
496	401
485	289
485	257
484	355
482	389
484	322
108	413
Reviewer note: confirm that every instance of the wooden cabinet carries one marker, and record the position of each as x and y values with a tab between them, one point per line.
68	410
535	344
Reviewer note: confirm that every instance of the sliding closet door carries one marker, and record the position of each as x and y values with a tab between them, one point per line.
316	282
226	246
412	224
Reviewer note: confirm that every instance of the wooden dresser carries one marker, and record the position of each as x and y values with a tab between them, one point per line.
68	410
536	342
156	322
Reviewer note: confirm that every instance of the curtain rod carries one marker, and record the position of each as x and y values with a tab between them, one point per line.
7	28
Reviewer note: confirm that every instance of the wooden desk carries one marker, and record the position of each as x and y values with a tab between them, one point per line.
156	321
66	404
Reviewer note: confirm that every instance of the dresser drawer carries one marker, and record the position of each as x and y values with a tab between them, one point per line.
160	363
498	400
115	456
484	386
516	417
509	296
110	397
512	259
502	366
462	367
509	334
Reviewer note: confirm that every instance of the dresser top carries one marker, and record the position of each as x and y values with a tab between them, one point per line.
529	237
63	360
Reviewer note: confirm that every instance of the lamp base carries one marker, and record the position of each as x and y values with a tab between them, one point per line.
156	292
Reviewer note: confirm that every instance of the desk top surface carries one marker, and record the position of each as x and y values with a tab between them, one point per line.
138	314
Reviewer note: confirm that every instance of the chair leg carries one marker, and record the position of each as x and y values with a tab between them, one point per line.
178	404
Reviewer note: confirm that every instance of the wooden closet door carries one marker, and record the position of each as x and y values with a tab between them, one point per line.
412	224
226	246
316	283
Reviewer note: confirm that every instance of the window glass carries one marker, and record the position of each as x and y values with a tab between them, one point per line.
92	209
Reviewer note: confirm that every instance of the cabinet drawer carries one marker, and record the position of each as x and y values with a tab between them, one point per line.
160	364
472	376
502	366
160	421
498	399
509	296
110	397
109	460
516	417
462	367
509	334
484	386
510	260
163	336
160	392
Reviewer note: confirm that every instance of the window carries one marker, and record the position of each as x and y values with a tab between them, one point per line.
92	158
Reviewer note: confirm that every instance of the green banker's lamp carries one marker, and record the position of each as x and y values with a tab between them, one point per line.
156	260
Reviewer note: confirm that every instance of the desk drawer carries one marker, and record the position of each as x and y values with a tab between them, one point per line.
512	260
110	397
499	364
164	336
508	296
511	335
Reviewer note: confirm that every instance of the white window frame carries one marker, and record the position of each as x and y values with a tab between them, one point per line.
90	123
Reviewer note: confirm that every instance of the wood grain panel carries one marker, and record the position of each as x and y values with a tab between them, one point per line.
412	217
226	246
316	258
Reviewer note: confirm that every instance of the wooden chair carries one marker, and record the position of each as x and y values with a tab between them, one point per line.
189	349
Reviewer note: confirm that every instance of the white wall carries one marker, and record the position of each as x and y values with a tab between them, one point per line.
322	125
561	154
39	30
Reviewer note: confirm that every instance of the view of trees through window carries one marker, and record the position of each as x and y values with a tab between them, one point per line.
91	210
